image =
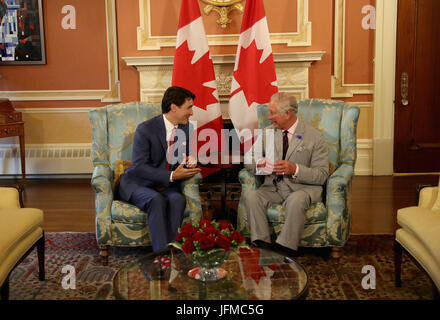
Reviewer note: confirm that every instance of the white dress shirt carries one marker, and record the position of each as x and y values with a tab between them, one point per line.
290	134
169	131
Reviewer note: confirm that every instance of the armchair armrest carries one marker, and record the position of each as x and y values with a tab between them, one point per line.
339	205
248	180
190	189
427	194
12	196
101	179
102	185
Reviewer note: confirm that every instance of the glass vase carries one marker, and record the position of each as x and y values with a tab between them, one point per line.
208	265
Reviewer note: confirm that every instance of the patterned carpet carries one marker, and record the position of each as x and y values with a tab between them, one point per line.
328	280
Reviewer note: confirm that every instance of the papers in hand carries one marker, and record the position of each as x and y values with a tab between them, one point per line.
190	162
264	167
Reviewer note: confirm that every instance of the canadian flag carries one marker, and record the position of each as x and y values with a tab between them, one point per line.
254	79
193	70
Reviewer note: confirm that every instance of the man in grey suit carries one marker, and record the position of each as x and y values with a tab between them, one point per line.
294	159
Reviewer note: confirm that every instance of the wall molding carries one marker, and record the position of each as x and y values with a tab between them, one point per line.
302	37
364	104
292	70
339	89
384	90
364	161
109	95
53	110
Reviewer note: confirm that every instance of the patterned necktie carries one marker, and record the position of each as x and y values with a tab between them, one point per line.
285	147
170	148
285	144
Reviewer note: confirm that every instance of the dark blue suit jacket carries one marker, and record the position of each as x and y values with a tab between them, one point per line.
149	166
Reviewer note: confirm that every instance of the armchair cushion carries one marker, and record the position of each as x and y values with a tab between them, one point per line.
16	225
120	167
317	213
20	229
127	213
420	253
423	224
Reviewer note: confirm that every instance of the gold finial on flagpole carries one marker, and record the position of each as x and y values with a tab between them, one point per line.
223	7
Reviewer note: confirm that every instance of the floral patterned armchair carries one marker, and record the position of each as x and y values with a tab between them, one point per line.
328	223
119	223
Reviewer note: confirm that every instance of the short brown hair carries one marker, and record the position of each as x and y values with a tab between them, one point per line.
176	95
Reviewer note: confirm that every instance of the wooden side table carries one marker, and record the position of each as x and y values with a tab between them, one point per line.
11	125
224	162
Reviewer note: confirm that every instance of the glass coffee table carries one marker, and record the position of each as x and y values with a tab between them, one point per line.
252	274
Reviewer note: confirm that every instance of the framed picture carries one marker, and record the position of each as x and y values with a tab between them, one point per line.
21	32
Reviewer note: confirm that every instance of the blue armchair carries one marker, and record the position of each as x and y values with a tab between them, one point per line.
119	223
328	223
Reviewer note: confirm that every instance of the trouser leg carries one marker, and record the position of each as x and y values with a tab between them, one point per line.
257	202
176	203
155	205
295	207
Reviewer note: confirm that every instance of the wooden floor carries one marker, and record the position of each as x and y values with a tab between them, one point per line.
68	205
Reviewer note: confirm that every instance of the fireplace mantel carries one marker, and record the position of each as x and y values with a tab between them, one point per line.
292	71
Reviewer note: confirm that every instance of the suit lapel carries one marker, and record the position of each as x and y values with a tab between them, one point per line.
162	132
295	141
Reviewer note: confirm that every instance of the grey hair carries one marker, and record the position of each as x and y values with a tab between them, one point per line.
286	102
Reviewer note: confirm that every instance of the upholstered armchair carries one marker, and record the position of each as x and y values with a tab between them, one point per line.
419	236
328	222
118	223
21	230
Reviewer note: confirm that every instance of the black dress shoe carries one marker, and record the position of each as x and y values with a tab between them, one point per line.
285	251
261	244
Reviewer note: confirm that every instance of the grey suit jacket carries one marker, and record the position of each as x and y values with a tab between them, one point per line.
307	148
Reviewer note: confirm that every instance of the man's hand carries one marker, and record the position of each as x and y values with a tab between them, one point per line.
282	167
183	173
264	166
190	162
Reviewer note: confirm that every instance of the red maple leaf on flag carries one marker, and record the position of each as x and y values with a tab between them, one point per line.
249	66
193	76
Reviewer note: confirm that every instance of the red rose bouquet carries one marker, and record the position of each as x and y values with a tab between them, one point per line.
207	237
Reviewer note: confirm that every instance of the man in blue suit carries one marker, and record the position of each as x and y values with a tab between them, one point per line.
161	150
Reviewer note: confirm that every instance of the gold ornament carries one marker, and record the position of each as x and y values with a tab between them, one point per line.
223	7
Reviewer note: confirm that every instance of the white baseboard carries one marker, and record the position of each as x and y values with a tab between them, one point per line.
73	160
364	161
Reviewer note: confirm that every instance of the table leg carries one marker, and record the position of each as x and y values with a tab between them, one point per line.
22	156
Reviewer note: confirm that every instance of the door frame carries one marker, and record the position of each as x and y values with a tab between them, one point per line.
384	88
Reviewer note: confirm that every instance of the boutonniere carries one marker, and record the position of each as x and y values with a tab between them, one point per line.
299	136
